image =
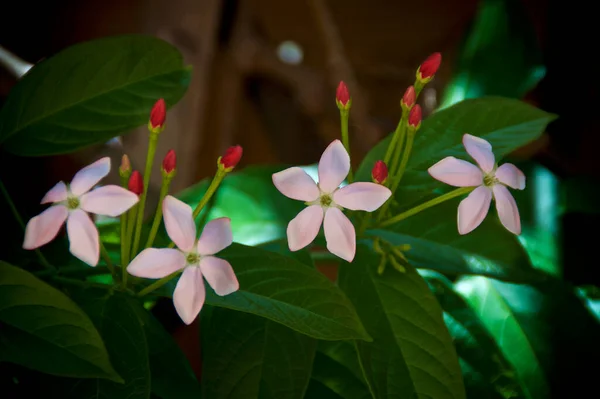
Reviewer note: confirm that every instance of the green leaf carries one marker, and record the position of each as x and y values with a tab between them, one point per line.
412	353
506	123
116	317
501	322
89	93
172	375
245	356
336	369
500	55
483	363
44	330
284	290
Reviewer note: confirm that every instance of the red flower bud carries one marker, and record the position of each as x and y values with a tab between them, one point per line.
379	172
409	97
125	164
158	114
232	156
136	184
169	162
414	118
342	95
430	66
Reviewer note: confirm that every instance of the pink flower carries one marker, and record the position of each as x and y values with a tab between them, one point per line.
73	203
193	256
326	201
490	180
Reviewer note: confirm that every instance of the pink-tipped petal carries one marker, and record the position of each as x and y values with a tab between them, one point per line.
108	200
362	196
189	294
333	166
340	234
481	151
510	175
179	222
83	237
43	228
215	237
88	177
157	263
507	209
473	209
456	172
303	229
296	184
219	274
57	193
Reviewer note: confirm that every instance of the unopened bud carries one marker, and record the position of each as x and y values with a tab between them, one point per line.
409	97
429	67
169	162
125	168
342	96
136	184
231	158
379	172
158	116
414	117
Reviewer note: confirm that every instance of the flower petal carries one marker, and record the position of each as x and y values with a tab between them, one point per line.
219	274
296	184
340	234
456	172
56	194
44	227
156	263
215	237
179	222
108	200
83	237
481	151
362	196
507	209
510	175
303	229
473	209
189	294
88	177
333	166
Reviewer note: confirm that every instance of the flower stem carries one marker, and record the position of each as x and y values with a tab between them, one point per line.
43	261
344	116
123	218
399	150
147	172
394	144
127	242
107	259
164	190
159	283
435	201
410	138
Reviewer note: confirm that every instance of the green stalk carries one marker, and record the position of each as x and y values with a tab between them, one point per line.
164	190
159	283
123	219
344	116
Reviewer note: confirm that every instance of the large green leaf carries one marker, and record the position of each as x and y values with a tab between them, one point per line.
411	354
286	291
484	365
500	55
116	317
506	123
89	93
245	356
337	373
44	330
500	320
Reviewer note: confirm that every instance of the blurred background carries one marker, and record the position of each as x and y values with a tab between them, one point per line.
265	73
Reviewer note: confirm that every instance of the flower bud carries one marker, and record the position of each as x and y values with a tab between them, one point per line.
414	117
230	159
429	67
125	168
169	162
158	116
342	96
409	98
136	184
379	172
